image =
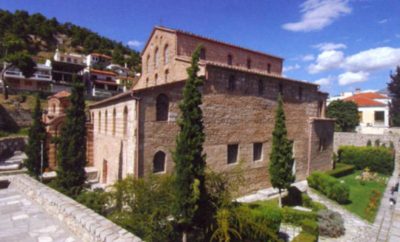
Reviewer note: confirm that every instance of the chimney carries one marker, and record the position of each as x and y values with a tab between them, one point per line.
357	91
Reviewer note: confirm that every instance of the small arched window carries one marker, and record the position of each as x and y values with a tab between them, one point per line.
156	78
113	121
125	121
166	75
54	108
202	53
105	122
269	68
166	55
156	59
231	83
147	64
230	59
248	63
159	162
147	82
99	124
162	106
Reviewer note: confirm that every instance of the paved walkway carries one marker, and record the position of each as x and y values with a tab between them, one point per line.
13	163
22	220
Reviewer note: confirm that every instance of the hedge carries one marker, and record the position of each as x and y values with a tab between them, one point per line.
377	159
305	237
329	186
267	214
341	169
295	217
310	226
309	203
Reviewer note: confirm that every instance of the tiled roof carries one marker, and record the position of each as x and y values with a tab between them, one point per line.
372	95
103	72
364	101
61	94
101	55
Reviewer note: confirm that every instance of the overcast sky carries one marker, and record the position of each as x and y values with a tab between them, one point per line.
340	44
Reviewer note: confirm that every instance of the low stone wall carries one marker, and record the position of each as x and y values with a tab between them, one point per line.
9	145
85	223
357	139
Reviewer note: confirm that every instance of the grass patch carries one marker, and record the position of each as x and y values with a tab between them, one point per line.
360	194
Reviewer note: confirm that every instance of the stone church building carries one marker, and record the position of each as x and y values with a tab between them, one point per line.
134	132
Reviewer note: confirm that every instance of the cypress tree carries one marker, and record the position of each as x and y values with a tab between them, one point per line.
190	192
394	90
281	157
36	136
72	145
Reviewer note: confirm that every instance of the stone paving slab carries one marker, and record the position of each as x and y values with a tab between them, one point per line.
24	220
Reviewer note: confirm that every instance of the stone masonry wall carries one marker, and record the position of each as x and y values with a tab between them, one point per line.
86	224
9	145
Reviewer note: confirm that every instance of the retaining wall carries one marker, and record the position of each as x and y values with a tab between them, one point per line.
9	145
85	223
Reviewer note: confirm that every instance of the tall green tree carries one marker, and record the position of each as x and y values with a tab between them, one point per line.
72	145
345	113
281	158
394	90
189	182
36	138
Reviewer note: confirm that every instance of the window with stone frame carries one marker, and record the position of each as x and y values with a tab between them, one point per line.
166	74
231	83
125	121
257	151
269	68
280	89
248	63
156	58
166	54
162	107
159	162
232	154
261	87
99	124
300	93
230	59
147	64
105	122
203	53
113	121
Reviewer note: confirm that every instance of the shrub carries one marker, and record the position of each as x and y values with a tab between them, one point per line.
341	169
95	200
309	203
377	142
295	217
310	226
378	159
267	214
330	224
329	186
305	237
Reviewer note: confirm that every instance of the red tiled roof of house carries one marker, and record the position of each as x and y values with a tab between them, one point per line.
101	55
365	101
372	95
103	72
61	94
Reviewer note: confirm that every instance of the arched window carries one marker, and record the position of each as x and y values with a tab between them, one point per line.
269	68
54	108
105	122
260	87
156	78
162	106
147	82
125	121
166	56
248	63
230	59
159	162
231	83
113	121
147	64
166	75
156	59
203	54
99	124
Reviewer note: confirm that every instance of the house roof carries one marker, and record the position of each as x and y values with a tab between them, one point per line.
366	100
101	55
61	94
177	31
103	72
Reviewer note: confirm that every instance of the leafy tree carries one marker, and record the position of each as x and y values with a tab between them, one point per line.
191	198
345	113
281	157
118	56
394	90
72	147
36	137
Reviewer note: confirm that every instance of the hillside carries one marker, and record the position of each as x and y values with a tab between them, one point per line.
41	36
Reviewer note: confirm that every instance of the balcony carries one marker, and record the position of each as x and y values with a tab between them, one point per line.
36	76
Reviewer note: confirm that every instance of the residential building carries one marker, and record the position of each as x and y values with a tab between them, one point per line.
135	132
64	67
97	60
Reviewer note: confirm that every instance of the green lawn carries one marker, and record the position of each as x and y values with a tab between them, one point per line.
360	195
